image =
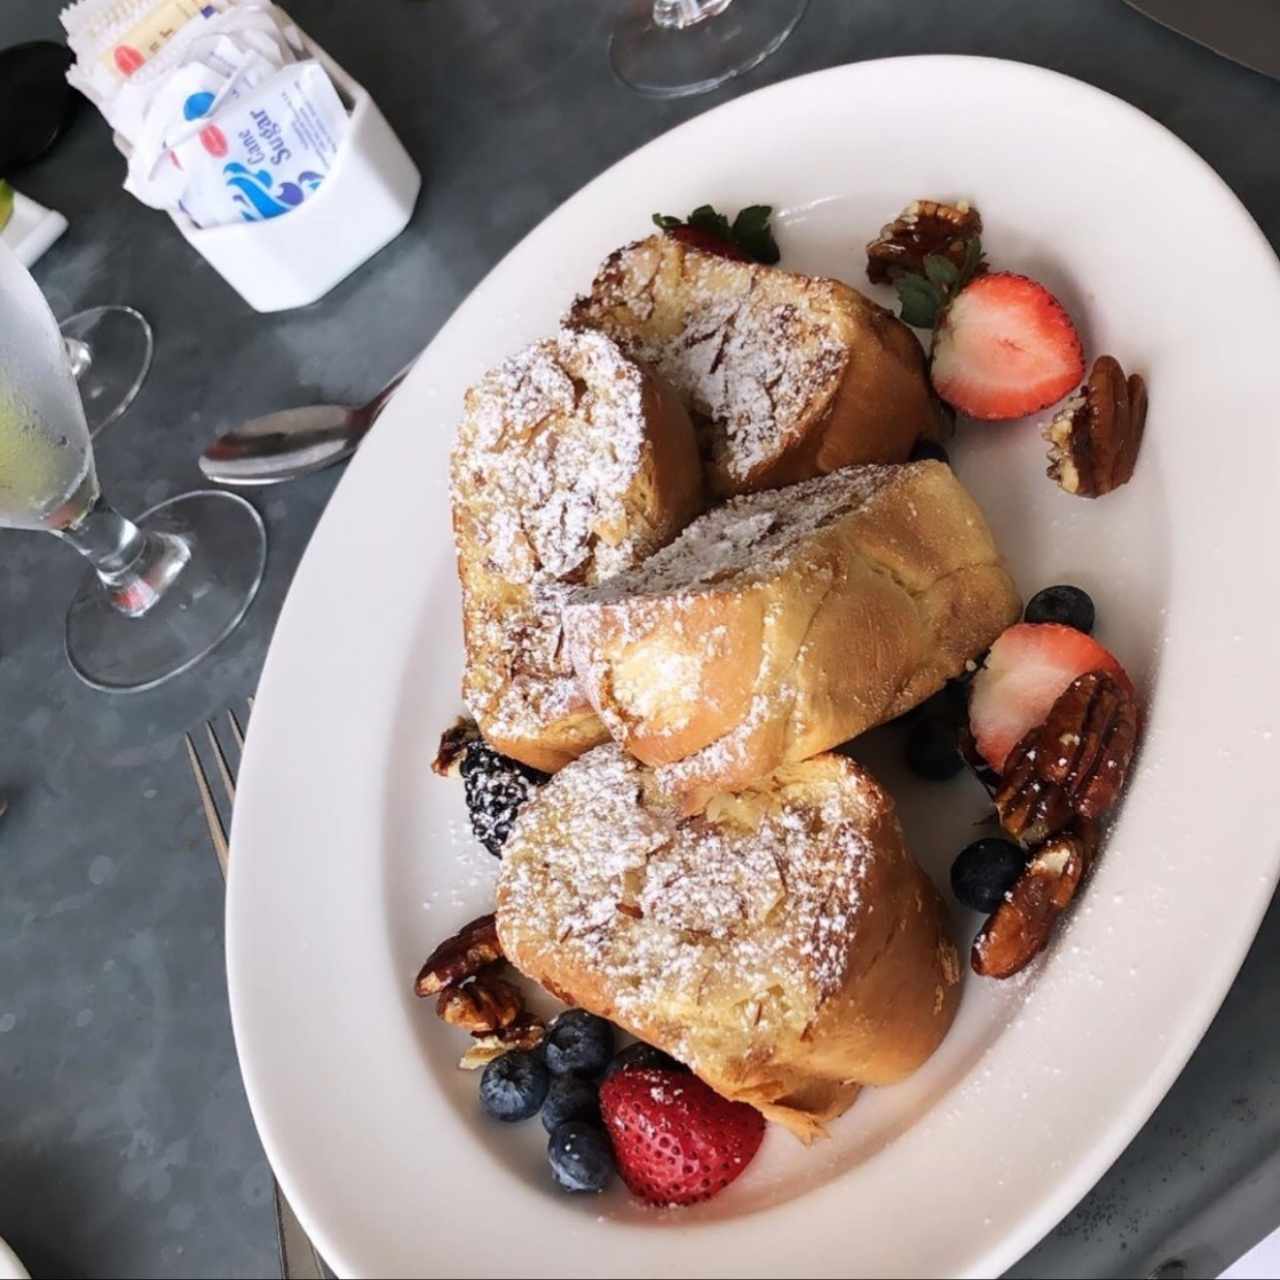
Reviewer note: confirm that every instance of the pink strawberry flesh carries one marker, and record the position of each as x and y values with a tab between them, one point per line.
1029	667
1004	348
675	1139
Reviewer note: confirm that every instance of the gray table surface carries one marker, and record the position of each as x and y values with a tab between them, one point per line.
126	1146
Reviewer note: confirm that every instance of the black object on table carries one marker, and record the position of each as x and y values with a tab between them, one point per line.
36	103
126	1147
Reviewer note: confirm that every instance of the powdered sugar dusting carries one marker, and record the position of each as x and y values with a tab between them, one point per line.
551	445
752	904
748	538
750	365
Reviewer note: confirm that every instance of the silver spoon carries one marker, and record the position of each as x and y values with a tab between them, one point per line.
293	442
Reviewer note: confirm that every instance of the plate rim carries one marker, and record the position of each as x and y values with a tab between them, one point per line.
1126	1119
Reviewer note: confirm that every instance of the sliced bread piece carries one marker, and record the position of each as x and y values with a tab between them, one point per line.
571	464
783	943
787	376
784	623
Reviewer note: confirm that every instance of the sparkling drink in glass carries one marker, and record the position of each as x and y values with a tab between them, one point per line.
161	592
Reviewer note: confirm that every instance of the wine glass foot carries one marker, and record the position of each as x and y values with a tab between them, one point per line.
672	62
117	348
200	608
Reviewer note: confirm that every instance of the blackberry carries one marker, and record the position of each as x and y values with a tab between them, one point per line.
496	787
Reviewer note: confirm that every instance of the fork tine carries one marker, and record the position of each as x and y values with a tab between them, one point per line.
236	731
217	833
220	759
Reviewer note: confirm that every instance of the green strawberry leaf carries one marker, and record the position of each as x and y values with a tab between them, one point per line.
921	300
973	262
714	223
925	297
753	235
942	272
750	230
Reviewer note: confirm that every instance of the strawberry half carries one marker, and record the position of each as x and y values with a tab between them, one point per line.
697	238
1005	347
1029	667
675	1139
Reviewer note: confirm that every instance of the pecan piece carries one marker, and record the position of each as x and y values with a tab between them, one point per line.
1094	438
924	227
482	1005
1074	764
453	744
525	1033
473	947
1019	928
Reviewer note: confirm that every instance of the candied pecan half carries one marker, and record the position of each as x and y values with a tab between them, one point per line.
473	947
482	1005
1094	438
1074	764
1019	928
924	227
525	1033
453	743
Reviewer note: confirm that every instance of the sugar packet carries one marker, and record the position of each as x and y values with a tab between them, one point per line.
127	48
114	39
239	150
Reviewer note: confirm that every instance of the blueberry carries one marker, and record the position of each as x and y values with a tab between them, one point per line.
1065	604
642	1057
985	871
926	449
513	1086
581	1156
579	1041
570	1097
933	750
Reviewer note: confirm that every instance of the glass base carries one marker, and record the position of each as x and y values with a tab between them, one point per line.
110	362
200	607
670	62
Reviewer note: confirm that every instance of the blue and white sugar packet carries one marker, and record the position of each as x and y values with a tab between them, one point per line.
241	149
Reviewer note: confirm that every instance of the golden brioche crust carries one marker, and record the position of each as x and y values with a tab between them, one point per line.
787	376
782	943
784	623
571	463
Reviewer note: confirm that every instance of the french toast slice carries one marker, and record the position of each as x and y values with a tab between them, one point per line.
571	463
783	623
786	376
782	943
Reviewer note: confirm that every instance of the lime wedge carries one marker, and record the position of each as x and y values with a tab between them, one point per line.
6	203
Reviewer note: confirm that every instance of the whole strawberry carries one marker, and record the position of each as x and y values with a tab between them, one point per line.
675	1139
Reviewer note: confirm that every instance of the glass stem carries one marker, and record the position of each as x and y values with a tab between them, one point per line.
678	14
79	357
135	568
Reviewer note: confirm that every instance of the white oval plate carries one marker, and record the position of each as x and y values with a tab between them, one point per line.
351	859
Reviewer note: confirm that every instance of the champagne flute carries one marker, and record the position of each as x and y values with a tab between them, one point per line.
110	352
670	48
162	591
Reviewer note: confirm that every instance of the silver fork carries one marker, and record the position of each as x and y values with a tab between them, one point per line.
299	1258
